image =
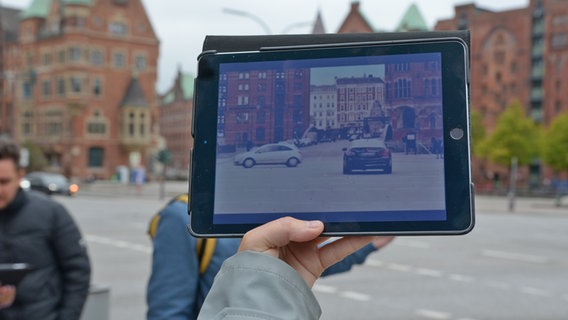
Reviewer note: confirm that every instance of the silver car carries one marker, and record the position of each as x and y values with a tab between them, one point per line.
274	153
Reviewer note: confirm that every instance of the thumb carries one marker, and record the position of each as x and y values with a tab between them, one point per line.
279	233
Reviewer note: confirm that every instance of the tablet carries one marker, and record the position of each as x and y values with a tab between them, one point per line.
13	273
369	137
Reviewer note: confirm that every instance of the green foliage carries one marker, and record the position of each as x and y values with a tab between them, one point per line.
515	135
555	144
478	133
37	161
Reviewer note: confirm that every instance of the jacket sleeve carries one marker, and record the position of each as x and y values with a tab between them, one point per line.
252	285
73	260
358	257
172	288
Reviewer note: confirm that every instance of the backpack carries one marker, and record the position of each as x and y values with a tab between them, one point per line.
204	248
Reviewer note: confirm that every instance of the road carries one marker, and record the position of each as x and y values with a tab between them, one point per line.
318	184
512	266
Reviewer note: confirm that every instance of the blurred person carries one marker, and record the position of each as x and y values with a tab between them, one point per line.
273	272
39	231
183	267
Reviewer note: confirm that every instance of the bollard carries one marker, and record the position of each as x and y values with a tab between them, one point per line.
97	306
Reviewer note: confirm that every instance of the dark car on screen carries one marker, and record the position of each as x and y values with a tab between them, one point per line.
367	154
51	183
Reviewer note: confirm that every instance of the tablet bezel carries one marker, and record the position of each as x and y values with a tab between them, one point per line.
458	185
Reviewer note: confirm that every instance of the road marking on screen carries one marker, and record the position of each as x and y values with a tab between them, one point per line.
433	314
355	296
119	244
514	256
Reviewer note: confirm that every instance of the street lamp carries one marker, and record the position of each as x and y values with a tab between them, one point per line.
261	22
248	15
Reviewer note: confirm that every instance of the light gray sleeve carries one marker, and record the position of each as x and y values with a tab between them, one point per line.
253	285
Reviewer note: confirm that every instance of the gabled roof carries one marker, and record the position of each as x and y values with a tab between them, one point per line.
355	21
134	96
412	20
184	85
318	25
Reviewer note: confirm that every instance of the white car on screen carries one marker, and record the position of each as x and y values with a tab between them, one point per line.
274	153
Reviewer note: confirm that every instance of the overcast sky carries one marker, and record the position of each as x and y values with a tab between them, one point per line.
182	25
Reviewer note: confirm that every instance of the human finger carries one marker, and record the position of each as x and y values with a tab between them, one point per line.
279	233
337	250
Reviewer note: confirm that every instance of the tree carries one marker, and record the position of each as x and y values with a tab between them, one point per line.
477	132
515	136
555	144
37	160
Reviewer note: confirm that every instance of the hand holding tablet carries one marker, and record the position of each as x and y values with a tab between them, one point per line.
370	137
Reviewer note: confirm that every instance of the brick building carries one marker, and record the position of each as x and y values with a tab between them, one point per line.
83	82
521	55
175	119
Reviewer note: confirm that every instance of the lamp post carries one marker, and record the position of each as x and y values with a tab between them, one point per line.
261	22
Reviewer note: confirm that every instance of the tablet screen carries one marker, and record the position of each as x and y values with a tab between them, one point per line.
340	139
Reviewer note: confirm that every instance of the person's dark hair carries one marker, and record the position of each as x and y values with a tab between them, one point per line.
10	150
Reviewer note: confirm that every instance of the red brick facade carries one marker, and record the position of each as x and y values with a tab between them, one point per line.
84	83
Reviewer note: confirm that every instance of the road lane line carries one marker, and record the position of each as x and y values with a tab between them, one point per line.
433	314
374	263
514	256
119	244
535	291
355	296
429	272
324	289
461	278
399	267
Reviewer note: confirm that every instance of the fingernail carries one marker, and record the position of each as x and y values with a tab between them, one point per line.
314	224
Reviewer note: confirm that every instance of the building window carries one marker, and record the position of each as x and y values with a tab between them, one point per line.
142	124
74	54
61	56
27	119
76	84
96	156
61	87
46	88
131	124
140	63
260	134
46	59
97	87
27	90
97	58
118	28
118	60
96	127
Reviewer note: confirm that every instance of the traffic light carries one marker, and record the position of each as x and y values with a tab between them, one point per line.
164	156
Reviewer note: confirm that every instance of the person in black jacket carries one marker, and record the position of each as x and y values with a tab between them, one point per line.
39	231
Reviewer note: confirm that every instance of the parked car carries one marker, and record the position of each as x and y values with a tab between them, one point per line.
365	154
274	153
50	183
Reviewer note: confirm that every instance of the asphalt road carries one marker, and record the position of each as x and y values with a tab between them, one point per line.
512	266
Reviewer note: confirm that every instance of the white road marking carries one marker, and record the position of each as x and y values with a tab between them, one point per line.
355	296
514	256
429	272
461	278
119	244
324	289
374	263
535	291
433	314
399	267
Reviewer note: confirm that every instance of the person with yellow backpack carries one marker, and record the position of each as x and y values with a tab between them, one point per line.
184	267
